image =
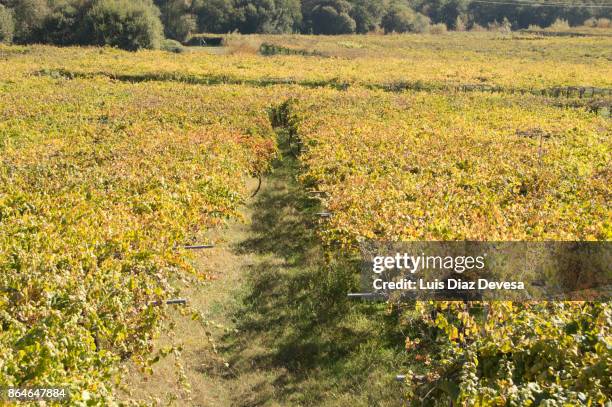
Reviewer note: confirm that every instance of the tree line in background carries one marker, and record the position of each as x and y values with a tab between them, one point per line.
134	24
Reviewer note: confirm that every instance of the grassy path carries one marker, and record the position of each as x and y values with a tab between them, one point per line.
283	331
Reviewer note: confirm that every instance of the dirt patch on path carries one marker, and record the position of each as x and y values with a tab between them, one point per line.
199	375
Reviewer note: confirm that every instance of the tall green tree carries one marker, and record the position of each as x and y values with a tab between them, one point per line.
126	24
7	25
29	16
400	18
367	14
63	24
66	22
214	16
521	16
177	17
328	17
267	16
442	11
287	16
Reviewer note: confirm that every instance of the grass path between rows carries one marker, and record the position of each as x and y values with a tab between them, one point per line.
282	332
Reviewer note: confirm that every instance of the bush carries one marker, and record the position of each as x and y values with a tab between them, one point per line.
127	24
7	25
504	27
439	28
421	23
172	46
559	24
591	22
237	44
603	23
402	19
477	28
461	23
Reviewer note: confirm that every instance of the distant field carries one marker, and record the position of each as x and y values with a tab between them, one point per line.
515	61
111	161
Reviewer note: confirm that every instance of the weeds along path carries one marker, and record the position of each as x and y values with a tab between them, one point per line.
251	267
282	331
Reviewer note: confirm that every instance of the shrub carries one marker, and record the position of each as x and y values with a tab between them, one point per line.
591	22
7	25
402	19
603	22
461	23
127	24
421	23
237	43
504	27
559	24
170	45
273	49
477	28
439	28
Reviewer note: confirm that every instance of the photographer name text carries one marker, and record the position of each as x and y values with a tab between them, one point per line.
450	284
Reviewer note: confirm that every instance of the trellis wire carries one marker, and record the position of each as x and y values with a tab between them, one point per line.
201	246
172	301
